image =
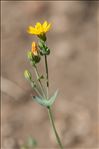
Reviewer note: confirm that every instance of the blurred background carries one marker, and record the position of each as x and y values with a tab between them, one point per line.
73	69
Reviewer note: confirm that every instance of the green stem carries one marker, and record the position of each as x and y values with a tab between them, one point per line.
40	83
49	109
54	128
47	76
36	90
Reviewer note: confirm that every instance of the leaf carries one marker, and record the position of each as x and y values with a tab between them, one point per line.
45	102
40	100
53	98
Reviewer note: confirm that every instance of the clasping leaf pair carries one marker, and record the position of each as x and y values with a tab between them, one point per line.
45	102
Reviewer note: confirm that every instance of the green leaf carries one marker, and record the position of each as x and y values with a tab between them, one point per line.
45	102
40	100
52	99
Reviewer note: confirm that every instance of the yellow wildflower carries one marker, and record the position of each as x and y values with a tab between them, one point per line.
39	28
34	49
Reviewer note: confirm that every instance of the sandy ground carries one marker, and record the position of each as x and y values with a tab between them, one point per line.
73	69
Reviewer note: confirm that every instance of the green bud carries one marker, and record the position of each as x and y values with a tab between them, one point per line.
27	75
29	55
33	58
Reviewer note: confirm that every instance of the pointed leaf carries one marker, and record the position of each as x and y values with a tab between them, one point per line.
41	101
38	100
52	99
45	102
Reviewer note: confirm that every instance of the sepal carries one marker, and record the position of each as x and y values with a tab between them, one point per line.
33	58
44	50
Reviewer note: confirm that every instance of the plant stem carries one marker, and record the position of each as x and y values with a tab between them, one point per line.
36	90
49	109
47	76
54	128
40	83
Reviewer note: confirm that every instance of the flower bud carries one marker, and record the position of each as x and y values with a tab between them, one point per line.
35	53
27	75
34	48
29	55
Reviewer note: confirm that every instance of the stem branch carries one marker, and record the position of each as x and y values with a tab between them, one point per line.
36	90
40	83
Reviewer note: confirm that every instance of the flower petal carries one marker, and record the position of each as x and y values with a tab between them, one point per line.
47	28
45	24
38	25
31	30
39	28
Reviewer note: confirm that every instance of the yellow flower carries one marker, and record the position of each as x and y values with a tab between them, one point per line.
34	49
39	28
